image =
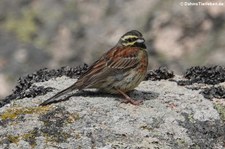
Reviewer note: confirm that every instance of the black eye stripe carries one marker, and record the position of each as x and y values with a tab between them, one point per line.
131	39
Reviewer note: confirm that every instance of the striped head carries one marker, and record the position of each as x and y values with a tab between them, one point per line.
132	38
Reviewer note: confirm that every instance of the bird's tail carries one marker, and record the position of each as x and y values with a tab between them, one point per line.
55	98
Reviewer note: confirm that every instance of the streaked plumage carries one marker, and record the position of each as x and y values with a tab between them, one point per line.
118	71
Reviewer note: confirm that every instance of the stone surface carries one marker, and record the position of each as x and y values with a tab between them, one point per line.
171	116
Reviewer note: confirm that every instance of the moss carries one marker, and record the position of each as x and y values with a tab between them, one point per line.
195	146
13	139
191	118
72	118
54	122
181	142
145	127
15	112
221	110
77	136
31	137
24	27
60	137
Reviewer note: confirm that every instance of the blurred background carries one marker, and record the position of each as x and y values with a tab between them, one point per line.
53	33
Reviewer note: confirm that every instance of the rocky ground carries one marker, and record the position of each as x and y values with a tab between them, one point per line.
178	112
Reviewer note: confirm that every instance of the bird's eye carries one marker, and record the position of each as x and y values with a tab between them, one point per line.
131	39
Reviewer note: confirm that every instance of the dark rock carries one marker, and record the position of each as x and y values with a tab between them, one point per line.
184	82
207	75
159	74
25	87
53	124
204	134
213	92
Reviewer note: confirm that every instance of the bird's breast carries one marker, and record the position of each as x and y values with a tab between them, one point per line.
143	57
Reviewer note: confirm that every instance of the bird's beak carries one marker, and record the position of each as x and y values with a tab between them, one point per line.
140	40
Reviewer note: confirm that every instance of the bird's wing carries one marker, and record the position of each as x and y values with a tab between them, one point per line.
115	60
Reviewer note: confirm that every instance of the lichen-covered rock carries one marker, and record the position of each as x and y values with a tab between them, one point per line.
207	75
171	116
25	85
210	80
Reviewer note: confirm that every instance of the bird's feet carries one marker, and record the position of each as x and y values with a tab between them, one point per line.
133	102
128	99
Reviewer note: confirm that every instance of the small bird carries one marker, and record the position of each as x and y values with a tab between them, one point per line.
118	71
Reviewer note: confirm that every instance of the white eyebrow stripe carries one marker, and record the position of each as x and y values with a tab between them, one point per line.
130	36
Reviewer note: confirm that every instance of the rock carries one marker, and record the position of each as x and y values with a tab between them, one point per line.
171	116
25	87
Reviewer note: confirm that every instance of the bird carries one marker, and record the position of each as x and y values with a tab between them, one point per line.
118	71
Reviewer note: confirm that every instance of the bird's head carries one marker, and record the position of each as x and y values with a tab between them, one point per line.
132	38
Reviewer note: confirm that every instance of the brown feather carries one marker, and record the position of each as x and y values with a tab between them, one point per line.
119	58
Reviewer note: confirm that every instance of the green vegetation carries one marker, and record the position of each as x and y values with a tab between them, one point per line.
24	26
29	137
15	112
221	109
13	139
